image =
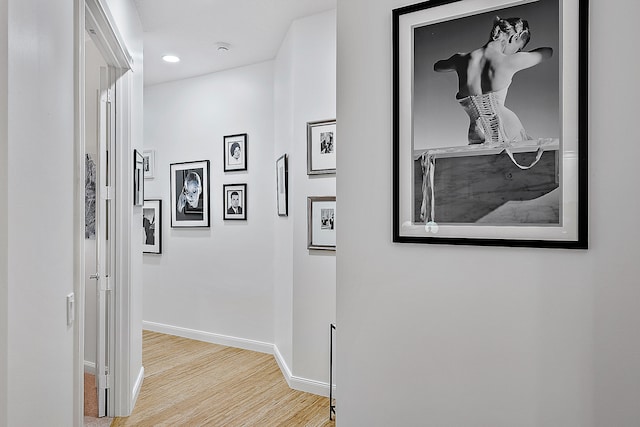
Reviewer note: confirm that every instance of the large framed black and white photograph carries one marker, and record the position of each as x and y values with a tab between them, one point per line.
138	178
321	222
282	178
235	201
321	147
490	125
235	152
152	226
190	194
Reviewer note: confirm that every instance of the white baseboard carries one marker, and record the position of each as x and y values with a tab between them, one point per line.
137	386
259	346
89	367
299	383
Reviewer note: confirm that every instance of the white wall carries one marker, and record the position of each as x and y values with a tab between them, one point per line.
216	282
37	231
40	170
4	208
468	336
305	300
283	226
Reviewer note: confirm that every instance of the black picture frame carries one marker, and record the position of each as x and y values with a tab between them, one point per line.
152	226
321	147
282	185
235	152
138	178
234	193
190	203
449	191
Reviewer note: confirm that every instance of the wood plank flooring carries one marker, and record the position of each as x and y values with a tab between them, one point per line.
193	383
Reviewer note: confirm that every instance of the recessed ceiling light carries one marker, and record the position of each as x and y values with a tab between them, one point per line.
170	58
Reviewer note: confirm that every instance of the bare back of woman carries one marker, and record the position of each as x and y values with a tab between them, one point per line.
484	76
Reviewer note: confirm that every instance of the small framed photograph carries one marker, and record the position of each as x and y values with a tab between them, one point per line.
138	178
190	194
235	152
149	157
152	226
321	147
321	223
282	177
490	123
235	201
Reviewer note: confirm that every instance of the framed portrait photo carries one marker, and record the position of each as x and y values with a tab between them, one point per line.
138	178
282	178
149	158
190	194
490	123
235	201
321	147
321	223
152	226
235	152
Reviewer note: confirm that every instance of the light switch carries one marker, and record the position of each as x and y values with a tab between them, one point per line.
71	308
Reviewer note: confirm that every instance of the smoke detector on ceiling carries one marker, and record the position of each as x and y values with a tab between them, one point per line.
223	47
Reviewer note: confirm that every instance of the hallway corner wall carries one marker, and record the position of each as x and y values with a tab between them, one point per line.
305	86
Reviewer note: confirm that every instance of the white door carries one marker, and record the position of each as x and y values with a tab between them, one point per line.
104	239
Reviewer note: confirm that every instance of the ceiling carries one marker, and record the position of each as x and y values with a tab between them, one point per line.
190	29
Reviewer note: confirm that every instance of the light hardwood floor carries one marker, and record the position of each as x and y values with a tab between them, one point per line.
193	383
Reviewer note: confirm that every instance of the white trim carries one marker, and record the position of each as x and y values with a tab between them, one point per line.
100	22
79	206
137	386
298	383
123	217
259	346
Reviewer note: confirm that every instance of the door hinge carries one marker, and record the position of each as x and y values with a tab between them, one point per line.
107	193
105	284
105	381
108	95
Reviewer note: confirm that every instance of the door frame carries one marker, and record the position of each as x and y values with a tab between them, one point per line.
94	17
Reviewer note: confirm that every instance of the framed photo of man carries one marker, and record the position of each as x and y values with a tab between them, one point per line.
190	194
235	152
490	123
235	201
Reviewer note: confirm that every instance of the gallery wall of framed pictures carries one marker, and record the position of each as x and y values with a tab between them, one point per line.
321	161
